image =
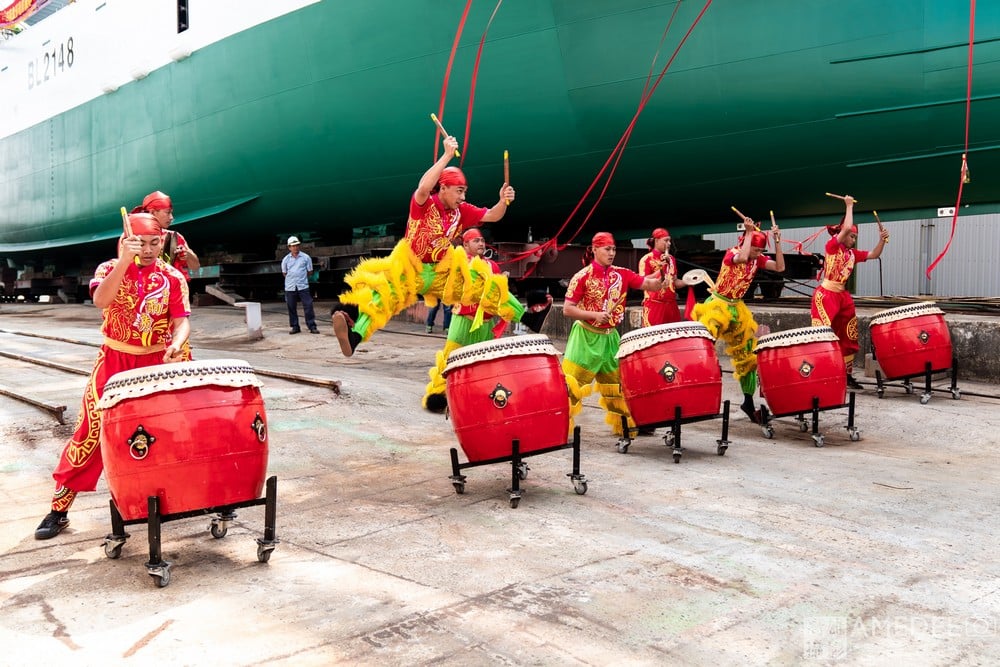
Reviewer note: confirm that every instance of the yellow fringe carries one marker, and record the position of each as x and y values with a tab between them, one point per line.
437	385
384	286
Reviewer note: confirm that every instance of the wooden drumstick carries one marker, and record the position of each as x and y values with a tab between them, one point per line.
443	131
843	197
880	227
506	173
773	223
127	226
737	212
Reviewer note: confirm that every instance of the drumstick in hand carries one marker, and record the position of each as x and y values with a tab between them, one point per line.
880	227
506	173
443	131
127	226
843	197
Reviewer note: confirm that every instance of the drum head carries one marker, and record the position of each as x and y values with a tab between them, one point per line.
641	339
905	312
172	377
796	337
498	349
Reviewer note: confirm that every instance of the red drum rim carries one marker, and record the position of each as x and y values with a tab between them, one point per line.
530	344
173	377
796	337
906	312
640	339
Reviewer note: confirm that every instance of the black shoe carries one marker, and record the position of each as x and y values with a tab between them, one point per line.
51	525
853	384
754	415
347	337
436	402
314	330
295	331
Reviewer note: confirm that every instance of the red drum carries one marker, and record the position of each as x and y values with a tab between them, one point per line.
667	366
799	364
507	389
907	337
193	433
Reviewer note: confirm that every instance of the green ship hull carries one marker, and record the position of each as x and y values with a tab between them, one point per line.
317	122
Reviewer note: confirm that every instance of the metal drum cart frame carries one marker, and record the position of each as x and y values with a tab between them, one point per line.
768	428
956	393
158	568
673	437
519	469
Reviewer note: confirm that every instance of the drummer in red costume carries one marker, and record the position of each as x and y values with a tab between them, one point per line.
145	308
726	316
464	329
832	304
176	250
595	298
426	264
660	307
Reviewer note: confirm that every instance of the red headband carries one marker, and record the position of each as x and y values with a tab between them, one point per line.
758	240
472	233
452	176
661	233
156	201
602	239
144	224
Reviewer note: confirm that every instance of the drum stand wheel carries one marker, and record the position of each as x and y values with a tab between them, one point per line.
519	468
158	568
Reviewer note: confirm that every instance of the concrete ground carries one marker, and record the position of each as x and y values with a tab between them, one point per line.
876	552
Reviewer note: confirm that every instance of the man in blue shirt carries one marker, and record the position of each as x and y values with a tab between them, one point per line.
296	267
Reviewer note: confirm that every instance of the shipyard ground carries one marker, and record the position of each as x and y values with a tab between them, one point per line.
876	552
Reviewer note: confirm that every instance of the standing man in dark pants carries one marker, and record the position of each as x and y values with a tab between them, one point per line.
296	267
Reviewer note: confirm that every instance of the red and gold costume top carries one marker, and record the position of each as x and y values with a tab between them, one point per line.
734	279
650	264
603	289
432	227
470	311
840	260
148	299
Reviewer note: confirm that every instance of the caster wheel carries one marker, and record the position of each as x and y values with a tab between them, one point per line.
459	487
668	439
263	555
908	388
818	440
623	446
803	426
522	471
580	486
677	458
880	393
721	450
112	550
768	431
514	502
925	399
956	394
855	435
219	529
162	580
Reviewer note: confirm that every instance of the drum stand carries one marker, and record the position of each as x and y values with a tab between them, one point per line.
673	436
768	428
519	469
908	386
158	568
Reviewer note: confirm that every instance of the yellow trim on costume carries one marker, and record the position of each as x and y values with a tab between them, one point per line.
833	286
137	350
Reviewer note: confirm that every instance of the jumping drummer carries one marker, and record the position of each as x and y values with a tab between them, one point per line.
660	307
469	324
832	304
145	309
425	262
726	316
595	298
